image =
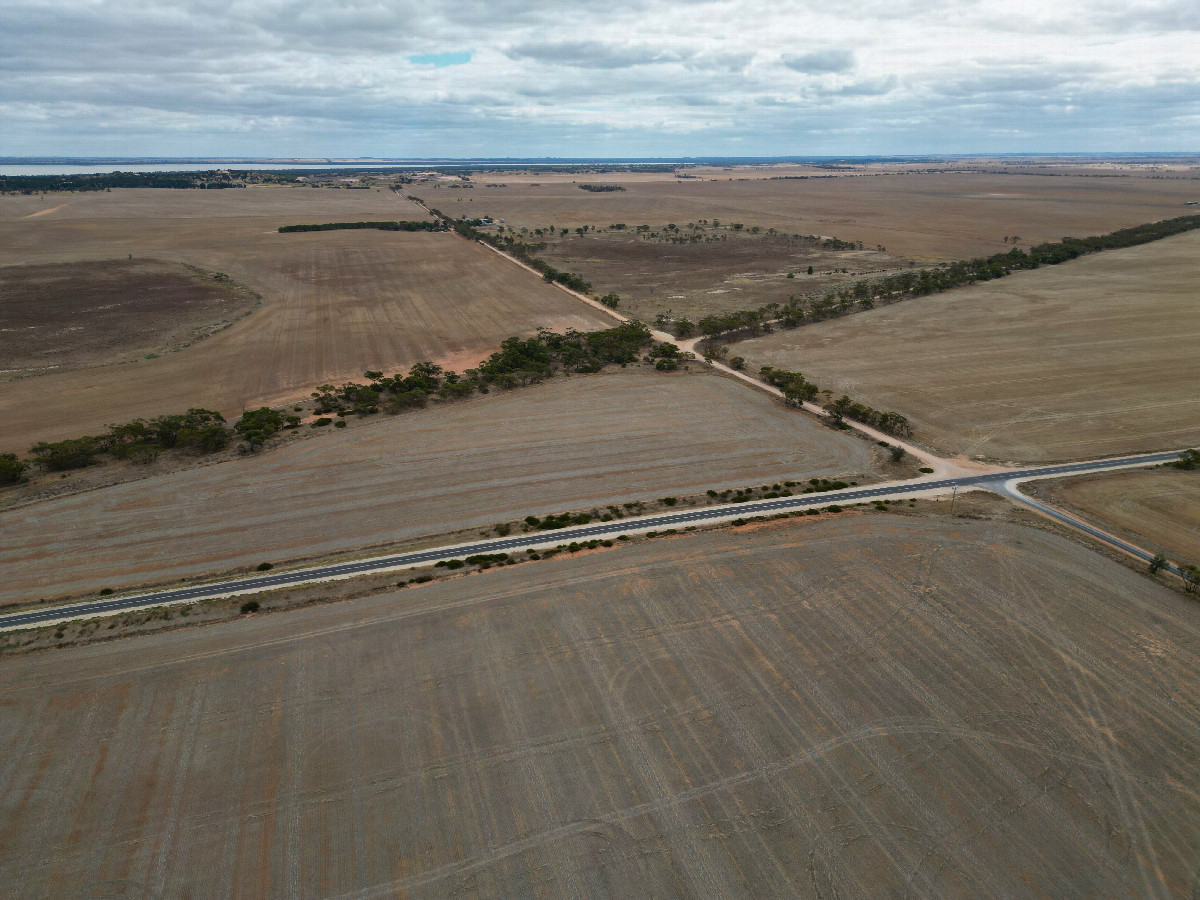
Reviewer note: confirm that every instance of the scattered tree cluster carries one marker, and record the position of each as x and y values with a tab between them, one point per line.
438	225
796	389
887	422
12	470
601	188
1189	460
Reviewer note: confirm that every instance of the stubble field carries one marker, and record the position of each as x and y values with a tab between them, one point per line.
575	443
734	272
985	710
925	217
67	316
1158	509
1089	358
334	303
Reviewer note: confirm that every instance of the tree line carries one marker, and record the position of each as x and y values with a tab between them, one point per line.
207	180
518	362
402	225
200	431
866	293
601	188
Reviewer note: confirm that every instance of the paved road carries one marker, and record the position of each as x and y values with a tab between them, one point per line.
660	521
1009	489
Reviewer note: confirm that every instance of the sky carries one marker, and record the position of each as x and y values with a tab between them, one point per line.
624	78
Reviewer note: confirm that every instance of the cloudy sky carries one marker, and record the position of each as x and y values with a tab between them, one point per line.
401	78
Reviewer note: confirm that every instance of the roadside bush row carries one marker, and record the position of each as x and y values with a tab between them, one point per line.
402	225
522	250
796	390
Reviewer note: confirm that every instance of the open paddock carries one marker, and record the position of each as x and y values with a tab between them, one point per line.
983	710
734	272
65	316
334	303
944	215
1093	357
1158	509
574	443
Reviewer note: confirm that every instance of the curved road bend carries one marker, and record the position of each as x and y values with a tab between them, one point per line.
996	481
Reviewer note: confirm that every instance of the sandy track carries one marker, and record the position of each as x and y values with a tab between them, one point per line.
983	708
1090	358
335	304
571	444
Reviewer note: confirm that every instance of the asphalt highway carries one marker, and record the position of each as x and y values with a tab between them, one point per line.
995	481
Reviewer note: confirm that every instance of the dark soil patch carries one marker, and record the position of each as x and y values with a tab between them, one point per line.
57	317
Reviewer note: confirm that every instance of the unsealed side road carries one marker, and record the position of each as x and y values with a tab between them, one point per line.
866	707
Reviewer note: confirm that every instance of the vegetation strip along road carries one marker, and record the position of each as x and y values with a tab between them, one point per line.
993	481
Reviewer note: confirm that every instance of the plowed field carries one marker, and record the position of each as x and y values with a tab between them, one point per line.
571	444
1092	357
867	707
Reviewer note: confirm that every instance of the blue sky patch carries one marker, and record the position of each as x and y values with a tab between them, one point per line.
441	60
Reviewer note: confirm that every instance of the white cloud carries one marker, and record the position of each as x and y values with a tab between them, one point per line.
636	77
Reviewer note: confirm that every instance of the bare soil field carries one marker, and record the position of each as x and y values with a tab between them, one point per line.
985	710
334	303
920	216
1093	357
736	271
576	443
1158	509
71	315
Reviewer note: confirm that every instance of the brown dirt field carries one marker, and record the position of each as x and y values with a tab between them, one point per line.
577	443
1158	509
334	303
1089	358
935	216
72	315
983	711
693	280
